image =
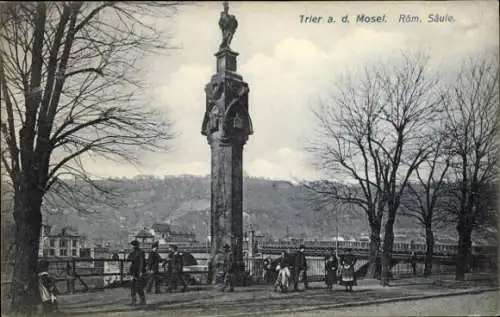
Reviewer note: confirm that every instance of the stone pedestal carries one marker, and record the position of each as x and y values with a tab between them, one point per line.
227	125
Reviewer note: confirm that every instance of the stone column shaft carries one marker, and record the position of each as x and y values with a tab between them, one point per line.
227	195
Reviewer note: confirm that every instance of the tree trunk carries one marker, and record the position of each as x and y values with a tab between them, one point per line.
373	268
387	250
28	219
464	244
429	241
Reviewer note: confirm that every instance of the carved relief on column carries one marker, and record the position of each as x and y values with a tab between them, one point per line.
236	118
214	98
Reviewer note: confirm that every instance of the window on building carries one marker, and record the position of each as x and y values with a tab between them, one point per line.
73	252
52	252
62	243
63	252
52	242
85	253
75	242
46	252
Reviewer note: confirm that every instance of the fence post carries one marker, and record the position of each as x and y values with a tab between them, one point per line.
121	271
72	274
68	276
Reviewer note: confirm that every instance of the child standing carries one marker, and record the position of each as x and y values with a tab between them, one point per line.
47	288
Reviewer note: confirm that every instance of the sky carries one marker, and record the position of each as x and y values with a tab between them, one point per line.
288	66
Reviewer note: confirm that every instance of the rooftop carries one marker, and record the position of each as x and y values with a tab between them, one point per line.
144	234
66	232
168	228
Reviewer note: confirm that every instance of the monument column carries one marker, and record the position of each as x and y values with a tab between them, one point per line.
227	125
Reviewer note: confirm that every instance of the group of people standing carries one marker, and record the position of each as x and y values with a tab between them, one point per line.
292	269
343	274
146	273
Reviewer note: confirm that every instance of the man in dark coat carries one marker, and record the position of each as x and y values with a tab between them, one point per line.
331	266
154	260
229	267
413	261
137	270
176	269
300	268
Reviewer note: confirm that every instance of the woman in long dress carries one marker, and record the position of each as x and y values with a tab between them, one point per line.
348	276
47	288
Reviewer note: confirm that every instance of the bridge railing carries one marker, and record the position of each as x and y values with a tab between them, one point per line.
440	249
363	246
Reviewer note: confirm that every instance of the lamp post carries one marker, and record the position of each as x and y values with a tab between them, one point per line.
337	240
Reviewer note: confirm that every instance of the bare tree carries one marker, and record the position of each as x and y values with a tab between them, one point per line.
411	109
472	123
70	92
346	124
375	132
424	197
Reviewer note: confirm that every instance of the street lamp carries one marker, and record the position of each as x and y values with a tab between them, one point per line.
337	240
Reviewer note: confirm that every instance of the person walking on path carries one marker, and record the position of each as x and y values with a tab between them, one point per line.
154	260
300	268
137	269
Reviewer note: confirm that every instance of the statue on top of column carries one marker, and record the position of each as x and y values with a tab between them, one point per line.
228	25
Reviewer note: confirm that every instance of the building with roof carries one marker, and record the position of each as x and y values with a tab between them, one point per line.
145	236
168	233
65	243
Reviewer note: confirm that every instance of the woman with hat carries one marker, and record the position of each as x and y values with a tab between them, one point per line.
47	288
331	266
348	276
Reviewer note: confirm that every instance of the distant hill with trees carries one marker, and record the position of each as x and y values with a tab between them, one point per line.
275	208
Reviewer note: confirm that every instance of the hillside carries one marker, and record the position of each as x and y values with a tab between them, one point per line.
274	208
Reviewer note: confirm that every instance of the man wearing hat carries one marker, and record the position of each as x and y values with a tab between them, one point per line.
229	268
137	269
176	265
154	260
300	269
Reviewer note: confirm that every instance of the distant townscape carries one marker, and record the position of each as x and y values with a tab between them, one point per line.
177	209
